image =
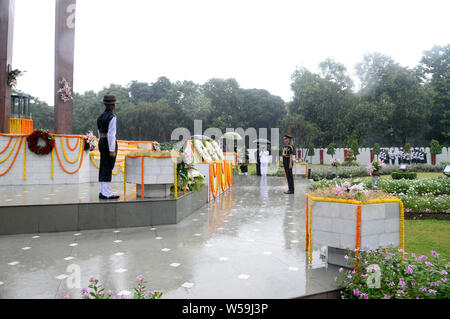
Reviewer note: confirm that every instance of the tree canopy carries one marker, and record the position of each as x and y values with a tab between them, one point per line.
394	105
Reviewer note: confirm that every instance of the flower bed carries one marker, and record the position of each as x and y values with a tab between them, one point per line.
318	173
390	273
97	291
424	195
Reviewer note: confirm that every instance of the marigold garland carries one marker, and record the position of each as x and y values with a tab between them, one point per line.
65	155
10	152
68	144
6	147
15	156
62	166
307	225
46	136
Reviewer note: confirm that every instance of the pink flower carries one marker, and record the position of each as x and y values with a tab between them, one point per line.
365	296
409	270
391	283
435	254
444	272
432	291
340	269
444	279
140	278
151	293
386	297
356	292
400	292
423	288
427	263
65	297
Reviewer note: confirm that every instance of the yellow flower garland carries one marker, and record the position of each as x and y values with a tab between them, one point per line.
64	152
10	152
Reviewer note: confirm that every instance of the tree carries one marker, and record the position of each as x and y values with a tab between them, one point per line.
376	149
331	149
354	146
322	101
407	147
435	147
371	69
226	102
311	152
335	72
434	69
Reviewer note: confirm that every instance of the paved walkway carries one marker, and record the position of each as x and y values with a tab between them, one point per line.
248	244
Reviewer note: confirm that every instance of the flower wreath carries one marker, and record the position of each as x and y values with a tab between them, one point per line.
46	136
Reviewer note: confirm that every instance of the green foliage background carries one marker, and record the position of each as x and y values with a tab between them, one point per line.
394	105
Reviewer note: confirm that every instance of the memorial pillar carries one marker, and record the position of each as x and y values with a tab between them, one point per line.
64	61
6	46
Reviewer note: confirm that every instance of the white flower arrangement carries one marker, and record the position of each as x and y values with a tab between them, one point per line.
212	151
218	150
201	150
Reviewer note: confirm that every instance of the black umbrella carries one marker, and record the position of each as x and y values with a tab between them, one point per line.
262	140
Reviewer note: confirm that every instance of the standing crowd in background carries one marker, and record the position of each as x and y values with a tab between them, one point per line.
414	156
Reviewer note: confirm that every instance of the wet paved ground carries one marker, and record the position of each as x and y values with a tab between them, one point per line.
248	244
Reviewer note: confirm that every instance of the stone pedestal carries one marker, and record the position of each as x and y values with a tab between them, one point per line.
159	175
154	190
334	226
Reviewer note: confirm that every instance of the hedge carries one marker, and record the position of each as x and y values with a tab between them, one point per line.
404	175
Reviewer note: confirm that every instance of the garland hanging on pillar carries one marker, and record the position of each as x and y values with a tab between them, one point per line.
65	91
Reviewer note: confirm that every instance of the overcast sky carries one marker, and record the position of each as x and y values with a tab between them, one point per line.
258	42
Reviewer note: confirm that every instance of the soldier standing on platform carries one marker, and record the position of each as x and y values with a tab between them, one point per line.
288	162
107	145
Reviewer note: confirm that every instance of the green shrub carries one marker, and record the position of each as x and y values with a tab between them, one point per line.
404	175
352	163
444	163
435	147
331	149
376	149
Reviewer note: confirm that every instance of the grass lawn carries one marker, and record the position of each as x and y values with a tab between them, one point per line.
423	236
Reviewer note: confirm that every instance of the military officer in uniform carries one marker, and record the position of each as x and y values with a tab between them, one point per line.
288	162
107	145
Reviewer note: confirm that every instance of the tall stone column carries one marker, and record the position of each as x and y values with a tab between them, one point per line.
6	45
64	60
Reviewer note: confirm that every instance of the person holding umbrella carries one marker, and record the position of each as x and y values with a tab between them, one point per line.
288	159
264	158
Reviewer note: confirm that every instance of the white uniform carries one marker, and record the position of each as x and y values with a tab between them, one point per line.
264	158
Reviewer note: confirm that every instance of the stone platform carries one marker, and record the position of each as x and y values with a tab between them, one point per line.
250	243
59	208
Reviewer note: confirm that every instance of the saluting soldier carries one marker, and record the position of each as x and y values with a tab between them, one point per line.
107	145
288	162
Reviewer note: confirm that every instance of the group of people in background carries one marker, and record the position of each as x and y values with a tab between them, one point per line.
414	156
262	160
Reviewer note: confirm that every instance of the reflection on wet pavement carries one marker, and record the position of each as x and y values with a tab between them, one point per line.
248	244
